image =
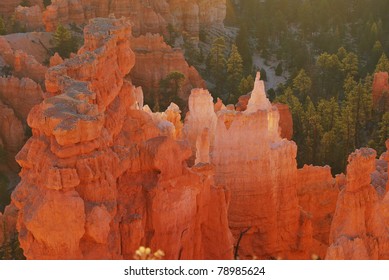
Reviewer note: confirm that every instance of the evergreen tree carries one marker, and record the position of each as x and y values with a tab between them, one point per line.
170	88
3	29
217	64
246	85
312	131
383	133
383	64
242	42
302	83
64	42
46	3
234	74
25	3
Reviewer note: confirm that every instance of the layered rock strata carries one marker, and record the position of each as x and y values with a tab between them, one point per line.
318	193
359	228
147	16
260	170
105	181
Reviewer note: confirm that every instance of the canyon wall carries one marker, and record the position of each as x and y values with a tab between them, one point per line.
147	16
154	61
98	173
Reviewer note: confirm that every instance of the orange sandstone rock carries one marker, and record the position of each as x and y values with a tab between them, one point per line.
357	230
30	17
105	181
318	194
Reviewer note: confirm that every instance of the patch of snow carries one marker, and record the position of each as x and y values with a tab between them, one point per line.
273	81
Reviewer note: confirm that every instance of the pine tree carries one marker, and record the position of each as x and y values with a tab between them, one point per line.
217	64
170	88
246	85
64	42
383	64
234	74
3	29
302	83
383	132
242	42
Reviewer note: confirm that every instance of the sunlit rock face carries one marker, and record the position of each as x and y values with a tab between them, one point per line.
260	170
381	91
359	227
99	178
152	16
201	117
318	193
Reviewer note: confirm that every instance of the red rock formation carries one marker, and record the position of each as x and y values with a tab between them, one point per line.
29	17
22	64
260	170
104	181
147	16
286	120
381	91
34	43
20	94
7	7
318	194
155	60
55	60
11	129
201	116
359	226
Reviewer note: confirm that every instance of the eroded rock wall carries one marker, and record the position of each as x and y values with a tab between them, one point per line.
105	181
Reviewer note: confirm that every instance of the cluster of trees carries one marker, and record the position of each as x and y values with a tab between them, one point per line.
227	70
11	249
11	25
64	42
331	48
297	31
333	112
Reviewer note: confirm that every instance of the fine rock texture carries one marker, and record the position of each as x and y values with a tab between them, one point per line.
98	180
358	229
318	194
22	64
155	60
286	120
259	169
381	91
20	94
